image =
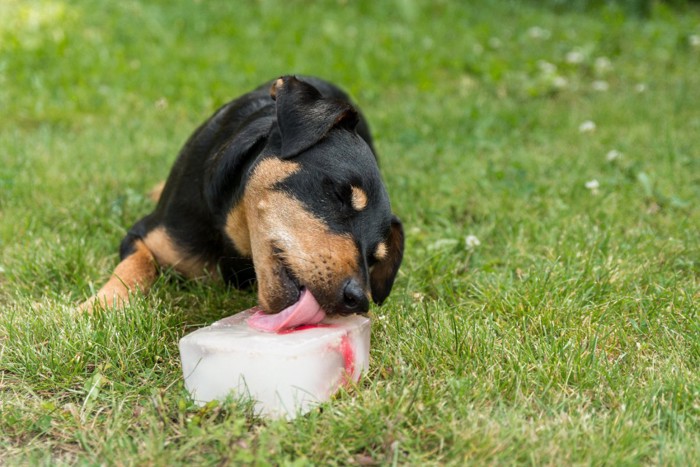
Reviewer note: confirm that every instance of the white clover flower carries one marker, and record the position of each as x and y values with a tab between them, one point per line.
495	43
587	127
471	241
593	186
694	40
602	64
546	67
560	82
574	57
537	32
600	85
418	297
613	155
641	87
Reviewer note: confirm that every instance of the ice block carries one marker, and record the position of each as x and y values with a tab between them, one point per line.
286	373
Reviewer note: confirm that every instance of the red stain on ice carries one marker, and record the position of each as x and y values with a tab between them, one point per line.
303	327
345	349
348	359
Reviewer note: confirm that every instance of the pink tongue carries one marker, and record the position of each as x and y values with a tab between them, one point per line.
305	311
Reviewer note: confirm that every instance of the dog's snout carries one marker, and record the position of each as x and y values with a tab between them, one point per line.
354	299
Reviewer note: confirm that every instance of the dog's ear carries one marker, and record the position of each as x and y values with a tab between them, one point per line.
304	116
225	171
383	273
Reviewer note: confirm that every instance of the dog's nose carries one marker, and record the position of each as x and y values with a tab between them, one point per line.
354	298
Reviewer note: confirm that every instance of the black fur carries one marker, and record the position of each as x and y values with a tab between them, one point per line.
306	120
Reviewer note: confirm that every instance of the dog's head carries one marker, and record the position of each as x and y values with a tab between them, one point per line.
314	213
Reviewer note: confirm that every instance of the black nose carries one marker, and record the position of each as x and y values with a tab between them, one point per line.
354	298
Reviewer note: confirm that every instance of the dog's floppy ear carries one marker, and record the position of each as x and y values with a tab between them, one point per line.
224	172
304	116
383	273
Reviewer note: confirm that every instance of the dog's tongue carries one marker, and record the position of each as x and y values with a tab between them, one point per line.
305	311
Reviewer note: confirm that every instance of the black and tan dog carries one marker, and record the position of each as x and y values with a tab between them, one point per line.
280	186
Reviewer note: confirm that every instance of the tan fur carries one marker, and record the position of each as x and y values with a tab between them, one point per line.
168	254
359	199
237	229
136	272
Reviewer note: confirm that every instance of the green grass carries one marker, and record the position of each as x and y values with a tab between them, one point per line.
569	335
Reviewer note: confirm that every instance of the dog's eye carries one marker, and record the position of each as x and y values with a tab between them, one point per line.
358	198
341	194
338	192
371	261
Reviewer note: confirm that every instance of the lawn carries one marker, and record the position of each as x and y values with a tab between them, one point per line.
543	156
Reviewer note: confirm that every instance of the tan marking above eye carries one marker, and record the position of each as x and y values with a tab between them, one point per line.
381	251
359	199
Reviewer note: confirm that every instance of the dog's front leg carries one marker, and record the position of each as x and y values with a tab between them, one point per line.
138	271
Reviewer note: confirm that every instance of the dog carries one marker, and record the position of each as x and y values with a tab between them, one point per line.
280	187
